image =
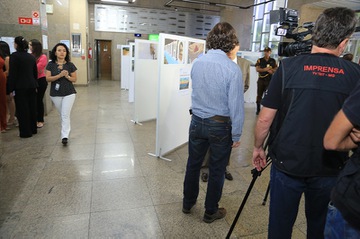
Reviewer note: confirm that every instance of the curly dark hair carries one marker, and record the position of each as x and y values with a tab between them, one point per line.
21	44
223	37
333	26
37	49
53	56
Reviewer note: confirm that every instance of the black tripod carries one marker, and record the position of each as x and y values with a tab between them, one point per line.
255	175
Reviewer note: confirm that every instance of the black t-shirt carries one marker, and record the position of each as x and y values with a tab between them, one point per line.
263	63
62	86
351	107
316	85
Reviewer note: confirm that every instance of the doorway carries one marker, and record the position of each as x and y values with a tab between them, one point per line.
103	62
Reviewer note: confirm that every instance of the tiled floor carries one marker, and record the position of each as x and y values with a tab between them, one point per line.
105	185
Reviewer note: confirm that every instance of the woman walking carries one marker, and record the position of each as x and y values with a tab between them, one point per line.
36	48
62	74
23	80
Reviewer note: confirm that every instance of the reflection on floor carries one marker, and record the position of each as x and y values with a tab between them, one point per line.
105	185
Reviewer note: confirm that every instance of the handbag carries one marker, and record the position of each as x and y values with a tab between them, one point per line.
346	192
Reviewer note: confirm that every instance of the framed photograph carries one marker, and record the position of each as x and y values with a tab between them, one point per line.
174	52
195	50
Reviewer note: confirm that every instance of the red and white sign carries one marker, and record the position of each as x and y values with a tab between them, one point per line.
36	18
35	14
25	20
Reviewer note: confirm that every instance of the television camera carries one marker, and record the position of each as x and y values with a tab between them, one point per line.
288	20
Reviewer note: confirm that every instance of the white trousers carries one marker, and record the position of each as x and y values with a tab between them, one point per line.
64	105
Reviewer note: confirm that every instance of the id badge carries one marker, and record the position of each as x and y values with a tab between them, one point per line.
57	86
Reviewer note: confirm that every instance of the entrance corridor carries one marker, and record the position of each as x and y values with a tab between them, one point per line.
105	185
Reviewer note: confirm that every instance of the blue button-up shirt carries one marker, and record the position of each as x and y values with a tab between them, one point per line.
217	89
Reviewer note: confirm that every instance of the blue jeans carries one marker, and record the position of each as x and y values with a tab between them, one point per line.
205	134
285	195
337	228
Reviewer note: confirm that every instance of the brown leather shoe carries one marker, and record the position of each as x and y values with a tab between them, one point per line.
209	218
187	209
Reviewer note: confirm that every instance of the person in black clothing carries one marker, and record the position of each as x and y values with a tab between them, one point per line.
23	80
266	66
343	212
304	95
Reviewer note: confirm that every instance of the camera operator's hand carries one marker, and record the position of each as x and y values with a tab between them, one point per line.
259	158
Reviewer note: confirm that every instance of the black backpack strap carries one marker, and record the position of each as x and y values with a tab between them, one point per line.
281	114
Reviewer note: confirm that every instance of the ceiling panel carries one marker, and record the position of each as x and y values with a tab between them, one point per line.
215	6
352	4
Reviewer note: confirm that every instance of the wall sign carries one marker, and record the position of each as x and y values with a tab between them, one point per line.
76	44
25	20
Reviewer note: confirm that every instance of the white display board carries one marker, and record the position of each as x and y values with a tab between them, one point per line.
176	55
132	73
146	80
125	66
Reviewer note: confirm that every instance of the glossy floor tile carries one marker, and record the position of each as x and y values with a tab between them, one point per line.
104	184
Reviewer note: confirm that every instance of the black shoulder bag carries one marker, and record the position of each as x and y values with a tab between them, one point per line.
346	192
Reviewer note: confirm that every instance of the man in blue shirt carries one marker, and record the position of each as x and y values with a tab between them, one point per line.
217	120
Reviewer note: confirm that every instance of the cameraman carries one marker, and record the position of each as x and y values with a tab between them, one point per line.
304	95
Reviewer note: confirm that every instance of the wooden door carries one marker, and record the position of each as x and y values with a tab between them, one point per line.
104	60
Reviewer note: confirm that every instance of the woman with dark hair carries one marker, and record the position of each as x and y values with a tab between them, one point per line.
3	123
22	80
41	61
10	103
62	74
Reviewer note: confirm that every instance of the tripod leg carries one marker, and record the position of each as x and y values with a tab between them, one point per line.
255	176
266	194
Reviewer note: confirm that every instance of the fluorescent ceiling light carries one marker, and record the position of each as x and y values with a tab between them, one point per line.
115	1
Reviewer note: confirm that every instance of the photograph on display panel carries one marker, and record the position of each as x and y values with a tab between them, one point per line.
195	50
148	51
184	79
174	52
126	51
